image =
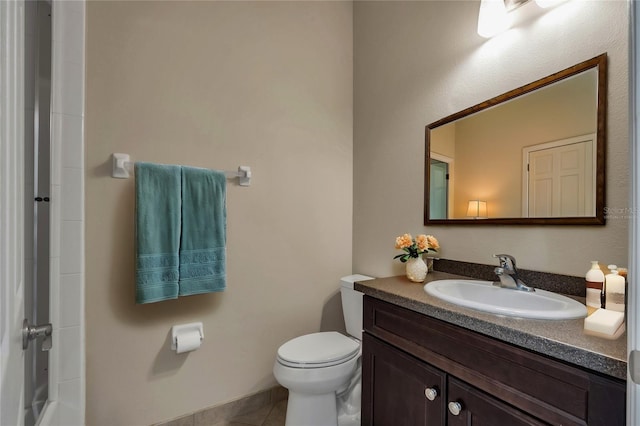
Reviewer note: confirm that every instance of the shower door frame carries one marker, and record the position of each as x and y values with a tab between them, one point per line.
11	212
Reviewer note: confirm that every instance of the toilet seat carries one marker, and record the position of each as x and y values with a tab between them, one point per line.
318	350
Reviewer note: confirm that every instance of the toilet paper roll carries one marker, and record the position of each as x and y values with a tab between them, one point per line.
189	341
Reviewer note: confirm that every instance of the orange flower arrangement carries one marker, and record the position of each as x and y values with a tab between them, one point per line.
415	247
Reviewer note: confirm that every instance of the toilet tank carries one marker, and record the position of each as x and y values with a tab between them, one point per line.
352	304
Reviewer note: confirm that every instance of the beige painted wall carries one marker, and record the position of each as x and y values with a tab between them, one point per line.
417	62
443	140
216	84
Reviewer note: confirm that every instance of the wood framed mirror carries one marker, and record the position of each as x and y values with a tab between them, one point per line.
531	156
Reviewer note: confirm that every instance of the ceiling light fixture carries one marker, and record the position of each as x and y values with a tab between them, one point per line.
548	3
493	18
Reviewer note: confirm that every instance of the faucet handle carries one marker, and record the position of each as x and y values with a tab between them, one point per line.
507	261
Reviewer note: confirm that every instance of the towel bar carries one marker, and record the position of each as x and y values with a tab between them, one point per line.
122	167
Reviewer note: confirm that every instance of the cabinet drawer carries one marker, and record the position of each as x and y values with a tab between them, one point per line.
547	389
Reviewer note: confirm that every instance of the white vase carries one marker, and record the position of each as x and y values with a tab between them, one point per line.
416	269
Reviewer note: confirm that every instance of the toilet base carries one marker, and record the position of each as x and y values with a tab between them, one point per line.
311	410
349	420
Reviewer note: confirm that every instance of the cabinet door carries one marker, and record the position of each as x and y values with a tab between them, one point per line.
468	406
398	389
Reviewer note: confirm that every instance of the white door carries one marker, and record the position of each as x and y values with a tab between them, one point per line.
560	178
11	212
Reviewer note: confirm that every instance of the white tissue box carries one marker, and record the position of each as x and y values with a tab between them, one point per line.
605	323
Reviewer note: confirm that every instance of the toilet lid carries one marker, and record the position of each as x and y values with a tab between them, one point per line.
318	349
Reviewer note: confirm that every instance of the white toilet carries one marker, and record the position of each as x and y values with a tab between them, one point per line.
322	370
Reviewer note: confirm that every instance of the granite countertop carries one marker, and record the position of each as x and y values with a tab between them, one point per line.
563	340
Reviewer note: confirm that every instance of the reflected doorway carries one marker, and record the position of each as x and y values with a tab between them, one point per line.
439	187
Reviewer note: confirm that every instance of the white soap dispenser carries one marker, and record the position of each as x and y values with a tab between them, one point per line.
615	285
595	285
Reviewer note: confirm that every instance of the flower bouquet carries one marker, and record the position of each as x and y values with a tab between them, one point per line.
414	248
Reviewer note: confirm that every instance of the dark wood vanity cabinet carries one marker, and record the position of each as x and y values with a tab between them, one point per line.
401	390
414	367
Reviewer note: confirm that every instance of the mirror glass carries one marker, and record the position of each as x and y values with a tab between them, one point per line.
534	155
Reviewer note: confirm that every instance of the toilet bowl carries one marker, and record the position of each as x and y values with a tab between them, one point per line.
313	367
322	370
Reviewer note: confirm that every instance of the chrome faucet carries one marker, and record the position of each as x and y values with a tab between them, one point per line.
508	274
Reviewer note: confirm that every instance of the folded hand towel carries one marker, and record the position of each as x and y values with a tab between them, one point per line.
204	228
157	231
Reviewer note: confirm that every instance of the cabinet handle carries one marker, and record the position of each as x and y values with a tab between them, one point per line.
455	407
431	393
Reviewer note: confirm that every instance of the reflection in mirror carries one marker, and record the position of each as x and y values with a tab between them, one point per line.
534	155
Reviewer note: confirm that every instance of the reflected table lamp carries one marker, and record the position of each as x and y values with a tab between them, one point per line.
477	209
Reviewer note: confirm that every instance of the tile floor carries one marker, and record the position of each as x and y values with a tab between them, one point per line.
269	415
265	408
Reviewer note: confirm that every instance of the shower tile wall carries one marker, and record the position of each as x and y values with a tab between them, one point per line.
67	216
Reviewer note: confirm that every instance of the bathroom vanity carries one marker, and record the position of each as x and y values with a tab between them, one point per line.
429	362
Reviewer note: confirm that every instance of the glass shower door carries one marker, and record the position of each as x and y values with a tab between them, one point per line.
37	186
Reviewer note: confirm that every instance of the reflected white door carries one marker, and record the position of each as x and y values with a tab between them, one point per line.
11	212
560	180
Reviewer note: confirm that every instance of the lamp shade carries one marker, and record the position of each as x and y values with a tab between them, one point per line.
477	209
492	18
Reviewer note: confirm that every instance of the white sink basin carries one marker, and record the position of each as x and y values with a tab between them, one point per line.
484	296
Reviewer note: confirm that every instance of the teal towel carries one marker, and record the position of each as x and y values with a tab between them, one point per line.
157	231
204	228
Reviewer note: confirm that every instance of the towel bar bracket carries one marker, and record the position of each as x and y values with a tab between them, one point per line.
244	175
120	170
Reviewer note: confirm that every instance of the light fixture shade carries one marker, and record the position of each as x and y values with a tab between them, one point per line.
548	3
477	209
493	18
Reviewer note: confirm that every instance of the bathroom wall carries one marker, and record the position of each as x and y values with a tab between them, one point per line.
217	85
417	62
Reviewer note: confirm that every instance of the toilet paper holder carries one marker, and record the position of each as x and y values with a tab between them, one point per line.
185	329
